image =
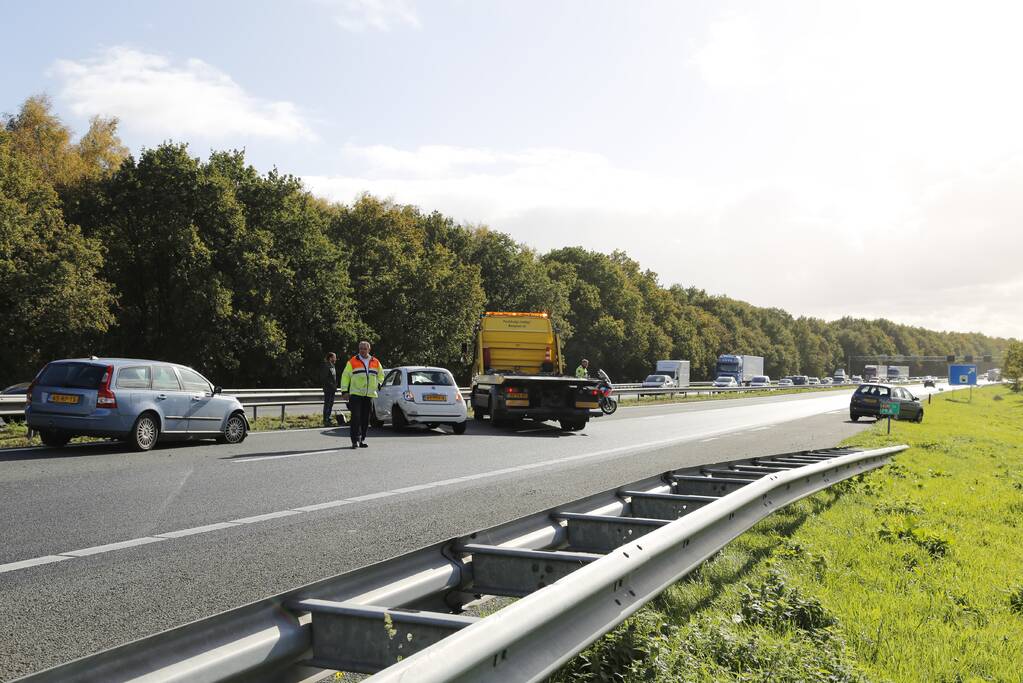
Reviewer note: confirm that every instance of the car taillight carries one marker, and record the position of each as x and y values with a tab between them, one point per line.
458	395
104	397
28	394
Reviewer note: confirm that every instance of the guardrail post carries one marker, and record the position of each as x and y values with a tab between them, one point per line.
282	415
255	413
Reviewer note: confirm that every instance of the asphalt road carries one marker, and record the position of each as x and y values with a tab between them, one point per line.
102	545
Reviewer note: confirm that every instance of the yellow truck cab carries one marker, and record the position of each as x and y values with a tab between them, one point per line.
519	373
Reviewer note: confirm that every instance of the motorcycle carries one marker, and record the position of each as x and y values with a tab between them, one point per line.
605	400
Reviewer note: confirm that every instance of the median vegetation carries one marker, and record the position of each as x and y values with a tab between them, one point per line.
909	573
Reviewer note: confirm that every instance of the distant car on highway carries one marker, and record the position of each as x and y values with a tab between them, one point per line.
813	380
856	379
138	401
866	402
725	382
928	382
825	380
800	380
760	381
785	382
657	382
416	394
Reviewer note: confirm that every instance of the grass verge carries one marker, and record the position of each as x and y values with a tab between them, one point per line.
909	573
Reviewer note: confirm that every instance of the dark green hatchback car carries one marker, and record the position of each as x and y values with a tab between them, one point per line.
866	402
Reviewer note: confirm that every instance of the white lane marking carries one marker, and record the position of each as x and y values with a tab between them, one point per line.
653	417
286	455
106	548
323	506
707	436
292	431
760	429
262	518
197	530
34	562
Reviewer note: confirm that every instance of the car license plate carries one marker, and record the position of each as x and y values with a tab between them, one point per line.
434	397
71	399
870	401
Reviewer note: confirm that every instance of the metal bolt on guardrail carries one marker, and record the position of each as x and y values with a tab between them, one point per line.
578	569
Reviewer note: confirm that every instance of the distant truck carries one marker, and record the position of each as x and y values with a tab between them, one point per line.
875	373
678	370
519	373
839	377
898	372
742	368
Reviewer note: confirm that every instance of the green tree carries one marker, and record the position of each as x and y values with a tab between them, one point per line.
53	302
1013	365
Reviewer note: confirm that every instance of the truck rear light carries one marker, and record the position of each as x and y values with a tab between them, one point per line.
104	397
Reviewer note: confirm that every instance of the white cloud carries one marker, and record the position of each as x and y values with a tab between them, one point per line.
376	15
811	248
151	94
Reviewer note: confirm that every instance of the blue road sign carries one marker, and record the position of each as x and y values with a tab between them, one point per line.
962	374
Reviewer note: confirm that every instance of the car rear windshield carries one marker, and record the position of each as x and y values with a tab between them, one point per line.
872	390
73	375
431	377
655	378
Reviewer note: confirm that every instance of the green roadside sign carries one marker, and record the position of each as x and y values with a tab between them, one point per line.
890	408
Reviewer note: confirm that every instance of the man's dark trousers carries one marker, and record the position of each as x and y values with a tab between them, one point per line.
328	402
360	407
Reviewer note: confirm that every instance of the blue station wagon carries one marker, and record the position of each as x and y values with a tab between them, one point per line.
138	401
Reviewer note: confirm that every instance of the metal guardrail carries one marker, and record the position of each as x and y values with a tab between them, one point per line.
621	548
14	406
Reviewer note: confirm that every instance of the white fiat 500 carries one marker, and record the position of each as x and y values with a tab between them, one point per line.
419	395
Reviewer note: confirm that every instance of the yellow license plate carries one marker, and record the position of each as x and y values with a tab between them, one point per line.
586	404
870	400
434	397
70	399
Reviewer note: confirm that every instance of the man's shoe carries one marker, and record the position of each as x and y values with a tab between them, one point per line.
363	444
354	446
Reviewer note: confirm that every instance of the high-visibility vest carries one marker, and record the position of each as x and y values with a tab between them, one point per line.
360	379
581	372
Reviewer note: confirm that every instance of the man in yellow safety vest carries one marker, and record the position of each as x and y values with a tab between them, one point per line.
583	369
360	381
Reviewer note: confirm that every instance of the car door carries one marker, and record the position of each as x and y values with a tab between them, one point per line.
386	395
909	408
170	400
205	410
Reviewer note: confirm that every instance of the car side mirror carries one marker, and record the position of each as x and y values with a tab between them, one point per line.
218	390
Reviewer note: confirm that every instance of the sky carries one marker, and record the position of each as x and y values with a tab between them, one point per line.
828	158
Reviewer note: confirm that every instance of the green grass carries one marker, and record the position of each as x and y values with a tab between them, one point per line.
909	573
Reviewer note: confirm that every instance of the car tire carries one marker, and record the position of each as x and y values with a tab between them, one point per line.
919	416
145	432
398	419
459	427
854	417
235	430
54	439
374	421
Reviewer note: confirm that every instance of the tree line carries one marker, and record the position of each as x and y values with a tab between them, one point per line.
250	278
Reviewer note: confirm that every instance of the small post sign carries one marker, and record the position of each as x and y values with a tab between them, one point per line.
890	409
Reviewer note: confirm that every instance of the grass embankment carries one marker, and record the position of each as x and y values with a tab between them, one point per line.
910	573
